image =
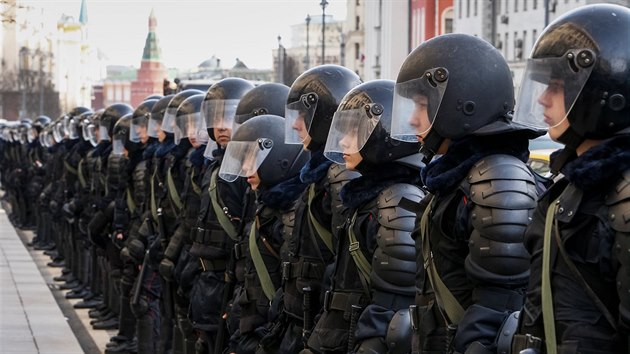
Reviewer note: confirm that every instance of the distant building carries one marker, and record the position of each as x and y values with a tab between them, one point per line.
210	71
430	18
117	87
513	26
150	77
354	38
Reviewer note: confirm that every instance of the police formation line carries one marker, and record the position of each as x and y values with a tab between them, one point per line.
336	216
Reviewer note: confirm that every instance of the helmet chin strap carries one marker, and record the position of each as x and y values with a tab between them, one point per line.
430	145
571	139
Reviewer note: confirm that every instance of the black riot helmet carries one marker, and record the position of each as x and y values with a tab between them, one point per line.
154	96
313	100
77	111
258	146
140	121
168	123
73	122
188	122
110	116
84	121
219	106
157	115
41	122
120	136
585	54
362	124
459	83
263	99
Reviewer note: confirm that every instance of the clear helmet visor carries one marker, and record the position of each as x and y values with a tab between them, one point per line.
49	140
219	114
298	117
92	134
168	123
31	135
58	133
242	158
23	137
103	134
138	132
154	127
191	126
416	103
550	88
73	128
118	146
350	130
210	147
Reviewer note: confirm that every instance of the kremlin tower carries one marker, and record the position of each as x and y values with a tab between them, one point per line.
151	75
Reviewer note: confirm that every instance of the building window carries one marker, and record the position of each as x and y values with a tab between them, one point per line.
516	45
460	9
357	51
515	5
507	4
534	37
524	40
467	8
358	2
475	8
447	21
505	45
356	24
127	94
525	5
110	93
535	5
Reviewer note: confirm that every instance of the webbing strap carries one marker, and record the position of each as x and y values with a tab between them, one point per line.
259	264
69	167
130	203
81	176
172	190
546	295
445	299
320	230
153	202
223	219
195	186
362	263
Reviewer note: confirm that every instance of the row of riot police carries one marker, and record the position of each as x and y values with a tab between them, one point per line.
336	216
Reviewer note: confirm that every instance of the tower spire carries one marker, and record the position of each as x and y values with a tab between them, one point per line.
152	50
83	17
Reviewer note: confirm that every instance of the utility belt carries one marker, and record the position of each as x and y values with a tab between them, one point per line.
239	251
302	269
343	302
526	341
213	265
209	237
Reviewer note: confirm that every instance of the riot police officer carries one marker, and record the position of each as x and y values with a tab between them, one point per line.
454	94
576	85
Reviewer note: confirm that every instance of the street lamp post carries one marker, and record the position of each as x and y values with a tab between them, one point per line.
323	4
307	59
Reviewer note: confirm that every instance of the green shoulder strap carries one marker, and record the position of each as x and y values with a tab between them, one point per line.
81	176
130	203
259	264
69	167
320	230
362	263
194	185
153	202
223	219
172	190
443	296
546	295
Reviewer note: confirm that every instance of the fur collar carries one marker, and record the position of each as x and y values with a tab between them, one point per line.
149	151
165	147
601	166
100	148
196	157
282	195
316	168
366	187
443	174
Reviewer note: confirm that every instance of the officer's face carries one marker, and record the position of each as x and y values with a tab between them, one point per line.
160	133
350	150
420	117
552	100
192	134
222	136
254	181
300	126
141	131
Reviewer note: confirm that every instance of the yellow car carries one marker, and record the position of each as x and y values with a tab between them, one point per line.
540	151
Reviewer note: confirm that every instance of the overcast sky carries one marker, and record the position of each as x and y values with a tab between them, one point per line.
191	31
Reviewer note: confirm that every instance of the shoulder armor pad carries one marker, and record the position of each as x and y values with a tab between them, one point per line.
288	222
394	261
337	177
618	202
399	205
504	182
503	191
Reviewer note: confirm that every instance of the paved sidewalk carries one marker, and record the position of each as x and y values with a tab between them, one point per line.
30	319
